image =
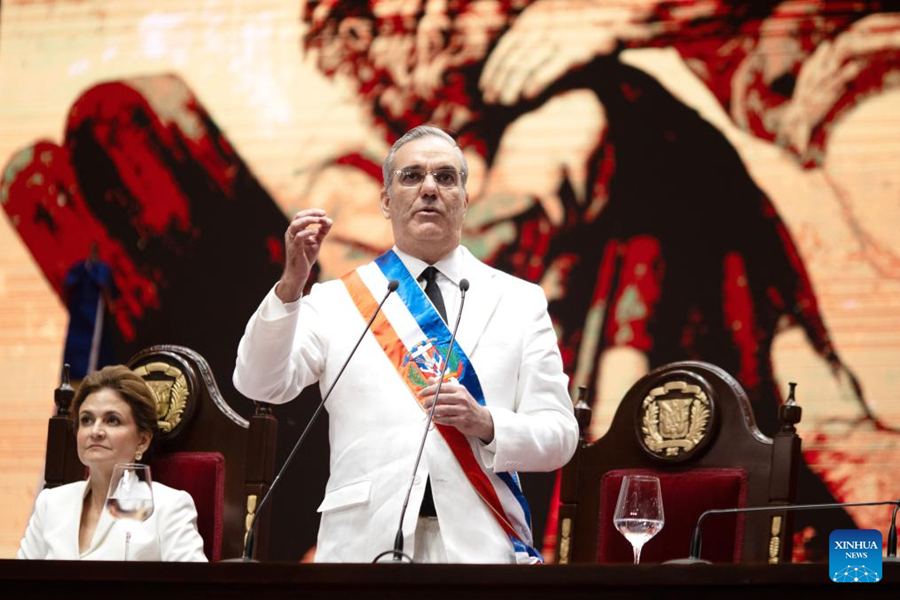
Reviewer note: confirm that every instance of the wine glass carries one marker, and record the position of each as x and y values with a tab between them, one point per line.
130	495
639	511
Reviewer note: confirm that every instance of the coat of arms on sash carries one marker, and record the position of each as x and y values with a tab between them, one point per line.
675	420
425	361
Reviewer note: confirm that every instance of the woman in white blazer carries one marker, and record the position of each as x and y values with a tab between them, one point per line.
115	418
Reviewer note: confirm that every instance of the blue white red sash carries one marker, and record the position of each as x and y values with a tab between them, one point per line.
415	340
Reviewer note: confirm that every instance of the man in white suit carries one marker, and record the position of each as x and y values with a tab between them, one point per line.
504	406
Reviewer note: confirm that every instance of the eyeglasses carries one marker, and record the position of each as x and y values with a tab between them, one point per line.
412	177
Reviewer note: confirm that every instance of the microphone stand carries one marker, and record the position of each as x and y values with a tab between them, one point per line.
393	284
694	557
892	537
397	551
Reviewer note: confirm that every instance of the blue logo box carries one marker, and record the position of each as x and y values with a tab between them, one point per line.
854	555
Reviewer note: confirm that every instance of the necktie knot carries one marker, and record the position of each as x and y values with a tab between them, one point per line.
429	275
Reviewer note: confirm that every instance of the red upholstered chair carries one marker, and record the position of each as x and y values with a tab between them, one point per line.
203	447
691	425
202	475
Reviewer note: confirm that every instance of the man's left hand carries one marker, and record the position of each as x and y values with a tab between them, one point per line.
456	407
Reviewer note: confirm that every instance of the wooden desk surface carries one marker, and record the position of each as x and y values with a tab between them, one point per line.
99	581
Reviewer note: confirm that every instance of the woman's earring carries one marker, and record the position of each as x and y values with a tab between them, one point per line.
138	455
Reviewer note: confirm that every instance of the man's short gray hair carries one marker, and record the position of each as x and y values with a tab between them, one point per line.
387	168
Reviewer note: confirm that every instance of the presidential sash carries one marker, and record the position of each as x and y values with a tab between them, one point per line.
416	341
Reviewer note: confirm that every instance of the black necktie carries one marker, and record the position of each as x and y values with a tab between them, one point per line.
434	294
433	291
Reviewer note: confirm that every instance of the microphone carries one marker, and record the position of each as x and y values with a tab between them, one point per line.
393	284
397	550
892	537
694	557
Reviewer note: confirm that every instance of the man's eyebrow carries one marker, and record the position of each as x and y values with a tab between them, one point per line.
437	168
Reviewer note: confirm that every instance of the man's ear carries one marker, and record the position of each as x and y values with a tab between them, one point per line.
385	203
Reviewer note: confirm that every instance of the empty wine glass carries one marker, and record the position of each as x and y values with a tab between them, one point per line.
639	511
130	495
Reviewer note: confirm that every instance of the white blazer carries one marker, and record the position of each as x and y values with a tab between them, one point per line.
375	424
170	534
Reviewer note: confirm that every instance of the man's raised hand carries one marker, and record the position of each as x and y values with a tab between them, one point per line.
302	242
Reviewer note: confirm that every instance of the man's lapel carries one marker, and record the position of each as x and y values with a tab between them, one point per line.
481	302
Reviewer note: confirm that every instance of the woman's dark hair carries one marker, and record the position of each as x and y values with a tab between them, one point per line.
129	386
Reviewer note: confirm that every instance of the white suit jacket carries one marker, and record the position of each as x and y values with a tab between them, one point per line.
170	534
376	425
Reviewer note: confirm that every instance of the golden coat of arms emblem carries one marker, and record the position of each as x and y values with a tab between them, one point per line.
170	388
675	420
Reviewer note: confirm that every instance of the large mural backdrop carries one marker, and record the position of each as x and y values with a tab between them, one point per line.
687	180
